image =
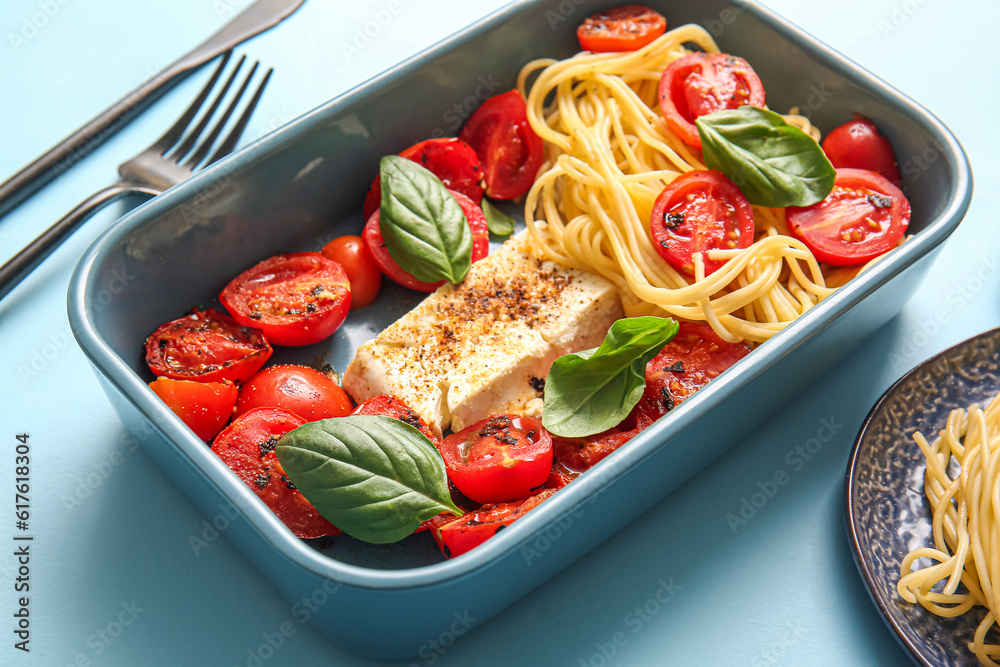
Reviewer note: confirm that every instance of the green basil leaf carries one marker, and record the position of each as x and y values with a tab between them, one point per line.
423	226
594	390
375	478
499	223
773	163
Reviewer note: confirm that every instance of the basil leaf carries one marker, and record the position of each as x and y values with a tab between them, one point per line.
594	390
773	163
423	226
375	478
499	223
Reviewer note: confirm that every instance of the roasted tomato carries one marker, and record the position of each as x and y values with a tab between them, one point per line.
303	390
627	28
857	144
207	346
687	363
462	534
376	245
247	447
359	265
575	455
695	356
502	458
295	299
699	211
450	159
204	406
864	217
508	149
702	83
390	406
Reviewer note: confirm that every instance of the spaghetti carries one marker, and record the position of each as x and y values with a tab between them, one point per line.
609	155
966	524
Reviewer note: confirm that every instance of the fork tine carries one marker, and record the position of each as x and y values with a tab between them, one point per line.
171	136
206	145
226	147
178	153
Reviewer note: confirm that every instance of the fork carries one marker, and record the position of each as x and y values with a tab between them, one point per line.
153	170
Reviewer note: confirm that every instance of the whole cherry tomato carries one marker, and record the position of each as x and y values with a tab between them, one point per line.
300	389
359	265
857	144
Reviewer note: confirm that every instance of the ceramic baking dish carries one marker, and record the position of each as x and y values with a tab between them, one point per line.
304	184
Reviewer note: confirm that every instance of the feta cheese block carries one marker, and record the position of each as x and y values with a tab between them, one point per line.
485	346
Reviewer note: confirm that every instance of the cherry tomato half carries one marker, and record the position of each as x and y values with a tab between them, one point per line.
359	265
207	346
502	458
376	245
390	406
699	211
864	216
204	406
303	390
460	535
295	299
702	83
857	144
695	356
247	447
627	28
509	150
450	159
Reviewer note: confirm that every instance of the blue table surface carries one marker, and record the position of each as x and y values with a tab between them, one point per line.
114	578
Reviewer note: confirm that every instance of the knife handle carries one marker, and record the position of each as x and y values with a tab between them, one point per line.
81	143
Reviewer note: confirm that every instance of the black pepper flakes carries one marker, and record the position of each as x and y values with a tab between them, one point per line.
667	399
268	445
262	480
674	220
878	201
676	367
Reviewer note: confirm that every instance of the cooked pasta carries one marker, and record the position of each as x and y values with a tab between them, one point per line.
966	524
609	155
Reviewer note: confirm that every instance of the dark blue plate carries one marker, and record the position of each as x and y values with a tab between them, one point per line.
887	513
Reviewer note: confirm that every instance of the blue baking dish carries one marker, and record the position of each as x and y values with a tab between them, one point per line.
304	184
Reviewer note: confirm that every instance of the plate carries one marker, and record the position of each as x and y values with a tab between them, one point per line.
887	513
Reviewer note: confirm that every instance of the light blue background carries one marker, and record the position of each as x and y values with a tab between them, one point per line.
780	590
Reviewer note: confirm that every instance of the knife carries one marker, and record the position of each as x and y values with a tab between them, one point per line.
255	19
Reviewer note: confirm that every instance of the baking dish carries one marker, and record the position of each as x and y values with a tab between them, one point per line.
304	184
